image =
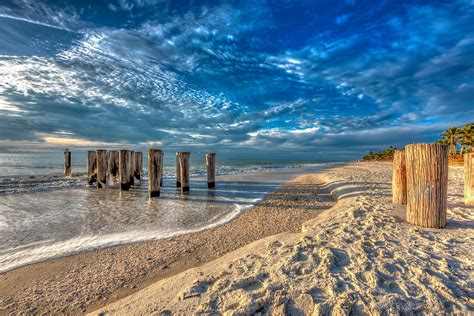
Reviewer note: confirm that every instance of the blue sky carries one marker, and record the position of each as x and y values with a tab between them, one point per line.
293	78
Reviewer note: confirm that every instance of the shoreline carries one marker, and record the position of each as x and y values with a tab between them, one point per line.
92	279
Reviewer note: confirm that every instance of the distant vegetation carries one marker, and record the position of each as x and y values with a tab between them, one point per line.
384	155
460	140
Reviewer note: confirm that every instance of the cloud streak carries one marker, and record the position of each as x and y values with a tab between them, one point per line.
299	77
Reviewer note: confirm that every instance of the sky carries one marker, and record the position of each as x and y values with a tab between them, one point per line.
297	79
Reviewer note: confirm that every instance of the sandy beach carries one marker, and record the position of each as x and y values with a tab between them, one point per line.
294	252
357	257
90	280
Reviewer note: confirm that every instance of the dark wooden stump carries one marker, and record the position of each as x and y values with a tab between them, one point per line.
138	165
101	168
184	170
132	166
427	184
113	165
91	167
155	162
67	163
178	171
211	170
124	170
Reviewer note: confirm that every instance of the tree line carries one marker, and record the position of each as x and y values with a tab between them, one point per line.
461	138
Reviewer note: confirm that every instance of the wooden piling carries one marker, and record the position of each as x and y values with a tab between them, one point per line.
427	184
211	170
399	178
124	170
138	165
155	162
113	165
161	166
91	167
67	163
184	170
101	168
132	167
469	179
178	171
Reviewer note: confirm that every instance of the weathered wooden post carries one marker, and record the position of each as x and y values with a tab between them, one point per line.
113	165
399	178
67	163
124	170
101	168
184	170
427	184
211	170
178	171
161	166
469	179
132	167
138	165
91	167
155	162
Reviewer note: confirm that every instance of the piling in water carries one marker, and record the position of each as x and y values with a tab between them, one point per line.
101	168
67	163
138	165
124	170
113	165
184	170
178	171
91	167
211	170
155	163
132	167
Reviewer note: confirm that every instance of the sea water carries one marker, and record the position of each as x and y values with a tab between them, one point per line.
45	215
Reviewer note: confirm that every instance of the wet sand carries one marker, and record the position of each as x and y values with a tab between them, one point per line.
87	281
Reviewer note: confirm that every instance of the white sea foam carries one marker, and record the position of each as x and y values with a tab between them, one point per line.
51	222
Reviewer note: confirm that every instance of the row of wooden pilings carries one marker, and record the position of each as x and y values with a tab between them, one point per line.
420	181
124	166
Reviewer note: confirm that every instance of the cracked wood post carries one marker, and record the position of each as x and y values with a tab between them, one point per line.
469	179
138	165
211	170
178	171
155	163
427	184
399	178
113	165
132	167
124	170
91	167
101	168
184	170
67	163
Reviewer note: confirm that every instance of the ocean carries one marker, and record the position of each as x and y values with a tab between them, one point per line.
45	215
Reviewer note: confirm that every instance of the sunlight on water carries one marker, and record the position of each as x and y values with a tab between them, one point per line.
44	217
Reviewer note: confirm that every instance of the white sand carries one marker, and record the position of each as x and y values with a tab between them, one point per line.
359	256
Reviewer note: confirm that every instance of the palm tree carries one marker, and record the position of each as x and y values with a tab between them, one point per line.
466	135
451	136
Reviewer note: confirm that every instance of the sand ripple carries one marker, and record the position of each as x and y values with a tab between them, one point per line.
357	257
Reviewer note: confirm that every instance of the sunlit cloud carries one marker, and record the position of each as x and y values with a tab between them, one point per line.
248	76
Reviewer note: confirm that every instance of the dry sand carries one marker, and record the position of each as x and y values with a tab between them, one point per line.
90	280
357	257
